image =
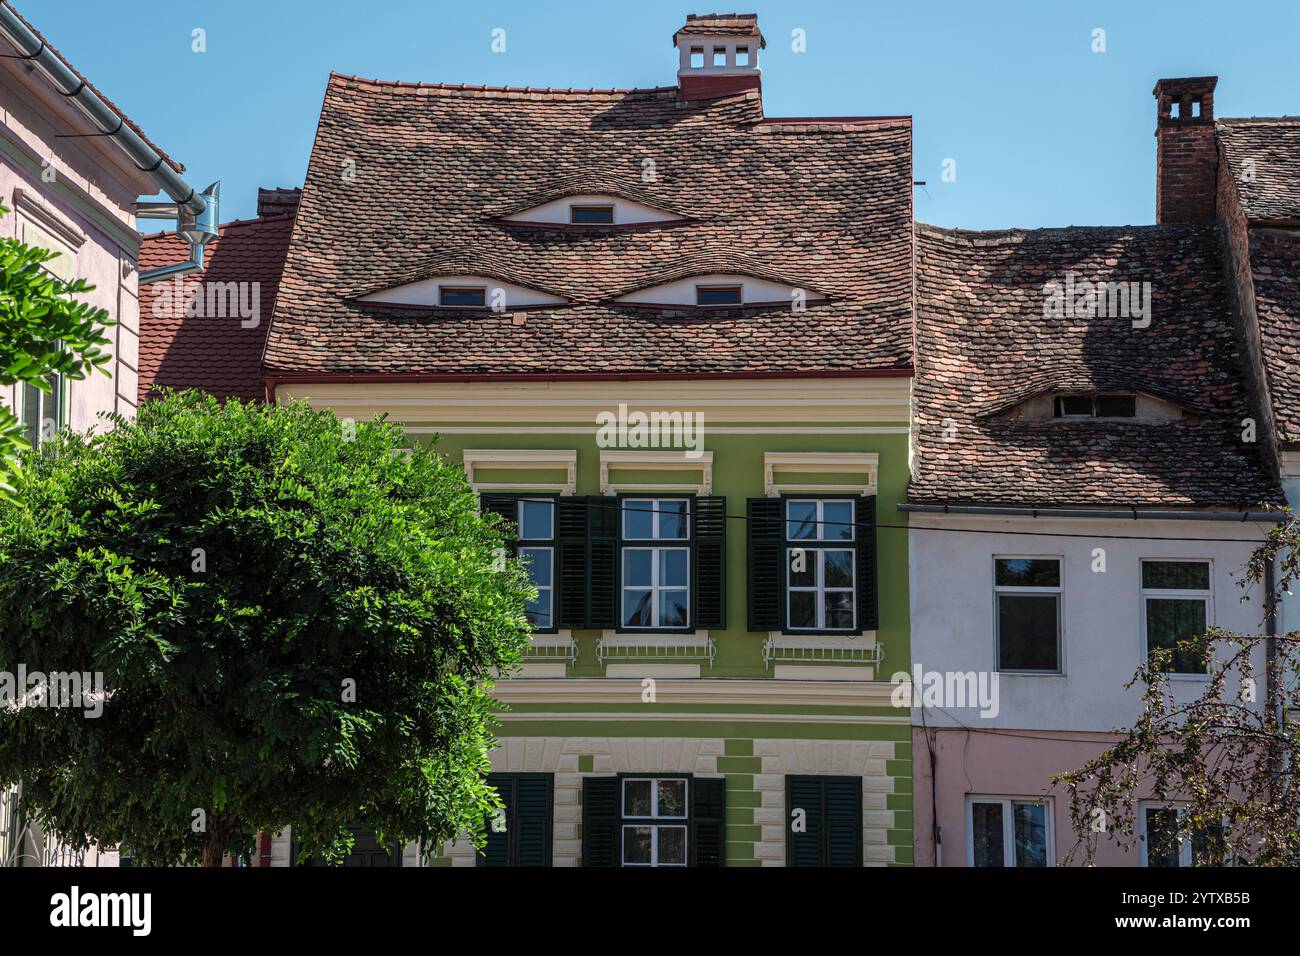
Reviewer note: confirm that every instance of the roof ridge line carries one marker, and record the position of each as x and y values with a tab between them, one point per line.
481	88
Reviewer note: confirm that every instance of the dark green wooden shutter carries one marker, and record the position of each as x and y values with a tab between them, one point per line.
843	821
803	849
571	561
602	561
766	564
868	606
496	852
532	819
708	837
600	821
709	559
832	809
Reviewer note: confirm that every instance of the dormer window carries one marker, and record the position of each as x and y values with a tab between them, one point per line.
1096	406
471	296
584	215
718	295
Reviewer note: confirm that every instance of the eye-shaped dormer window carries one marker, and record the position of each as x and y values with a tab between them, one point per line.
1079	405
723	290
592	209
461	291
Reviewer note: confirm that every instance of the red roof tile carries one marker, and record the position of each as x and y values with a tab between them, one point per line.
214	353
827	207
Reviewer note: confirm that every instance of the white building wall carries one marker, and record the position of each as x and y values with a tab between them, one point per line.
952	610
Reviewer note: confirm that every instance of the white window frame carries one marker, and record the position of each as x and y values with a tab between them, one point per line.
1206	596
1186	847
820	589
1029	591
682	822
523	545
1009	827
850	542
60	394
655	587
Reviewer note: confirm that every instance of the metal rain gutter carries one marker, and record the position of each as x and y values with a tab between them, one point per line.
1130	514
195	213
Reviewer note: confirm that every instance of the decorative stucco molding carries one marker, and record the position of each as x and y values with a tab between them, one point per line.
866	464
512	459
669	461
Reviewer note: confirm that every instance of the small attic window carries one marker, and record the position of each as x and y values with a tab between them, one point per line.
1096	406
591	215
697	57
717	295
742	56
462	295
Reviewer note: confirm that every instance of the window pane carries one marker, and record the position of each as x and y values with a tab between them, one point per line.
538	561
1170	620
803	609
839	609
1162	836
1028	572
801	520
636	609
637	798
454	296
717	295
1027	630
673	563
591	214
838	570
986	834
672	608
1208	846
1031	834
539	612
32	414
536	520
672	798
1071	405
636	845
672	846
672	519
1180	575
803	567
637	566
837	520
637	518
1116	406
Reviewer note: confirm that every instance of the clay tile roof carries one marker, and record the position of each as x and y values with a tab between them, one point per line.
721	25
827	209
1275	269
984	343
91	86
1264	160
214	353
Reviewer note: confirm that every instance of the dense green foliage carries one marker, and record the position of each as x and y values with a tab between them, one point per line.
232	569
44	330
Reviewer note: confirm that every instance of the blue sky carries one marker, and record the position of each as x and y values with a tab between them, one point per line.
1044	131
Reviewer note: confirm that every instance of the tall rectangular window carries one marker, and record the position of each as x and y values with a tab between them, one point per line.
1169	841
655	563
536	522
42	412
1176	611
655	821
1027	592
1004	832
821	592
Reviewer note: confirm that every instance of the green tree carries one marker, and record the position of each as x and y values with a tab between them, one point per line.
298	623
44	331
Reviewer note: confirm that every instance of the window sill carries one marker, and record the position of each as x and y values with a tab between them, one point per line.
669	648
822	648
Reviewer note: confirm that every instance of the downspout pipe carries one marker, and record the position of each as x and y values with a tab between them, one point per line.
196	230
1129	514
146	158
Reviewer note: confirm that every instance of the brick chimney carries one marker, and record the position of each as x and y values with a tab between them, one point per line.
1186	157
718	55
